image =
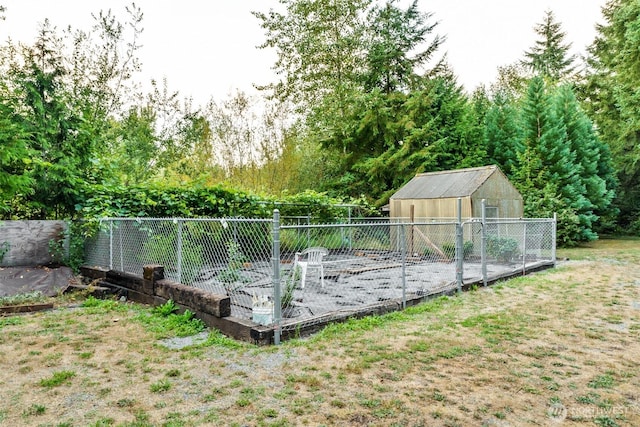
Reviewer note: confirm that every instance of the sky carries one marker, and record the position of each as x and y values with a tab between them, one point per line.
208	49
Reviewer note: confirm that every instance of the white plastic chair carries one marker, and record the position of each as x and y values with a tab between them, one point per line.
310	258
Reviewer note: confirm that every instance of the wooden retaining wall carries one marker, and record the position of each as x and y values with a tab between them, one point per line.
153	289
215	310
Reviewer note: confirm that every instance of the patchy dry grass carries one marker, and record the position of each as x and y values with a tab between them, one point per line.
556	348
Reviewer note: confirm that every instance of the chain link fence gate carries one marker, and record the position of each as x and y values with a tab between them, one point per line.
259	263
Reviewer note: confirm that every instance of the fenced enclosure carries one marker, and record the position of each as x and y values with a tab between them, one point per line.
262	265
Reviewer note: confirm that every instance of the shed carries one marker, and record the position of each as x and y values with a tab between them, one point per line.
435	195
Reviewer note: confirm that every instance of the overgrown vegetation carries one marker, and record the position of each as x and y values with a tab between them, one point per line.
502	248
165	320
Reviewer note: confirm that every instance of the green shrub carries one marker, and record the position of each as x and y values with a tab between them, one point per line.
165	322
449	249
502	248
232	273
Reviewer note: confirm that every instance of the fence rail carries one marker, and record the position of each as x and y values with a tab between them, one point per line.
260	264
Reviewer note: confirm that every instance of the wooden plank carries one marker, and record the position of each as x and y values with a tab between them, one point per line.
25	308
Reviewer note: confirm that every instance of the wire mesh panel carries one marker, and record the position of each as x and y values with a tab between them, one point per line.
520	244
323	270
364	265
224	256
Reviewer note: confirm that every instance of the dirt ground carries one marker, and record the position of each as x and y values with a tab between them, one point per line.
555	348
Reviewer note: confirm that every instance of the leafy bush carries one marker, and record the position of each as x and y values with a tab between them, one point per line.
165	321
502	248
166	309
235	263
449	249
215	201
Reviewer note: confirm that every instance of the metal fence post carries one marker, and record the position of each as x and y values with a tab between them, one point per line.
179	255
459	253
524	249
403	250
121	229
275	260
553	238
483	243
110	244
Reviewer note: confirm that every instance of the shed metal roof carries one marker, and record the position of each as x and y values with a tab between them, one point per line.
446	184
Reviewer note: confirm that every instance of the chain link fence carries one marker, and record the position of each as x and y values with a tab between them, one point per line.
298	273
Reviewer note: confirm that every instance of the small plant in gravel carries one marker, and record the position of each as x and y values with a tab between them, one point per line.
290	286
602	381
35	409
57	379
160	386
231	275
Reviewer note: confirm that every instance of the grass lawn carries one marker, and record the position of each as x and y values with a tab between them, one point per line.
560	347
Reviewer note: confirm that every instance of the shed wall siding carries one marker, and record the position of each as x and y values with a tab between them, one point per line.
499	192
495	188
430	208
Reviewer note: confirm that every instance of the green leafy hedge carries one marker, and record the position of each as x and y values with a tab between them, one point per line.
216	201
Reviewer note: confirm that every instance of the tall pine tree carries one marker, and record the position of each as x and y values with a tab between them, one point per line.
593	162
503	134
549	57
612	94
547	173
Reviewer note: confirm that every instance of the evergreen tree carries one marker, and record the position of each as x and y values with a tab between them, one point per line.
64	152
395	46
548	173
549	57
593	161
15	155
428	130
502	133
612	97
66	93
